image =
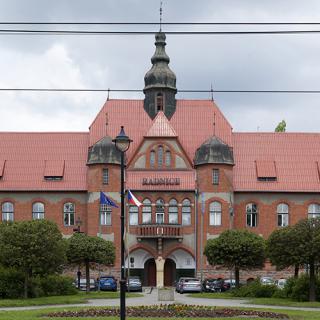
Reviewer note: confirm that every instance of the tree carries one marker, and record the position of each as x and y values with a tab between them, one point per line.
236	249
33	247
284	250
308	233
85	249
281	127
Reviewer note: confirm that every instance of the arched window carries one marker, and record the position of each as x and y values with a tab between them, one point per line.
68	214
133	215
215	213
252	214
314	210
152	158
186	212
160	156
146	211
168	158
159	211
283	214
105	215
7	211
173	211
38	211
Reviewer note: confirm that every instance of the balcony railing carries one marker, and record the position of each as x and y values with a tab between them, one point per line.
171	231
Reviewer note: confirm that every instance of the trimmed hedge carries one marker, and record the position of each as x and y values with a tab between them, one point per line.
255	290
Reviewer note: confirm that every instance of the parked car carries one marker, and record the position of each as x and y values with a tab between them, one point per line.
83	284
134	284
179	283
215	285
107	283
191	285
266	281
231	283
280	283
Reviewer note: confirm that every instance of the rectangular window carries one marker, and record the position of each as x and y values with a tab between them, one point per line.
105	215
7	216
105	176
146	214
283	219
215	176
133	215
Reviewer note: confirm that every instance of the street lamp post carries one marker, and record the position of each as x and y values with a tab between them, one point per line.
122	143
78	230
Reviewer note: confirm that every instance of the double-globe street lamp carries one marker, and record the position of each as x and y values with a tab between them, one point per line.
122	143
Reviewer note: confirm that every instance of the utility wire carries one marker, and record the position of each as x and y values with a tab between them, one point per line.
103	33
156	23
140	90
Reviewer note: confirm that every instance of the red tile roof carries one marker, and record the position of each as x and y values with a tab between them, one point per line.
2	163
53	168
295	156
134	180
161	127
26	153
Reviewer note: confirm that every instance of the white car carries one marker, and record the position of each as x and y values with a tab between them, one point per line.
266	281
280	283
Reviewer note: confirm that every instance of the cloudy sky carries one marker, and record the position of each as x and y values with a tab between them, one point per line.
255	62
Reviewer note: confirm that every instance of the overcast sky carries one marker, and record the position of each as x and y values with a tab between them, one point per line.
266	62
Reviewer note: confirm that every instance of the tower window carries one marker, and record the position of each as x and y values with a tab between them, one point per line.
105	176
159	102
215	176
168	158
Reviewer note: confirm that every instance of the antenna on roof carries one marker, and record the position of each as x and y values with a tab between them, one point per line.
107	122
160	15
214	124
108	94
211	89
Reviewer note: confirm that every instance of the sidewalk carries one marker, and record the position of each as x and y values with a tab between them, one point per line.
152	298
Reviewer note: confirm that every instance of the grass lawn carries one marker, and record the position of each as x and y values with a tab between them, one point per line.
80	297
39	314
261	301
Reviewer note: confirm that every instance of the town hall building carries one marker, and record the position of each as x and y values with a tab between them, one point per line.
194	176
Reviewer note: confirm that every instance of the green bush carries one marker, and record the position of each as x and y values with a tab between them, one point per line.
255	290
57	285
12	285
298	288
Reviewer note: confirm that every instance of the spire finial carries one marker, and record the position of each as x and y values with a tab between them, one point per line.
211	92
108	94
214	124
160	16
107	122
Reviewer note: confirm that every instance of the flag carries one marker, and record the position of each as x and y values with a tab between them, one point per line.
133	200
105	200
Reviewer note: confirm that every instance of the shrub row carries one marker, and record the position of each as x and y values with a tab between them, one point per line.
12	285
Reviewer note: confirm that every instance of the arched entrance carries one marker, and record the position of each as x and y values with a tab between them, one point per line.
169	272
150	273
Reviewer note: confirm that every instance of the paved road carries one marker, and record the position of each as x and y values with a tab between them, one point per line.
152	298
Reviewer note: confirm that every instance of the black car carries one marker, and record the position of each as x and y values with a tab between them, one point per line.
215	285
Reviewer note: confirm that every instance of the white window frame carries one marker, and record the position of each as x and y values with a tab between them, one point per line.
133	215
186	212
146	212
282	215
251	215
7	211
173	212
38	211
159	211
215	209
215	176
314	210
105	215
105	176
68	214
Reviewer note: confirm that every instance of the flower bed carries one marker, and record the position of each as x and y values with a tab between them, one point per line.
171	310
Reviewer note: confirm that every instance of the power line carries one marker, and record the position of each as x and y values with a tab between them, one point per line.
156	23
140	90
104	33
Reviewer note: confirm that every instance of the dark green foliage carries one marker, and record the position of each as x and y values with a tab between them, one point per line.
11	283
85	249
32	247
57	285
298	288
256	290
281	127
238	249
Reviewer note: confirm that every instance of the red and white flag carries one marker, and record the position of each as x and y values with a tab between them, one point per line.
133	200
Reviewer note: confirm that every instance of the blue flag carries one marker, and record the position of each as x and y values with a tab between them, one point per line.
105	200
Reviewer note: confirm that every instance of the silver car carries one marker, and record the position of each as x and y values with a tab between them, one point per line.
191	285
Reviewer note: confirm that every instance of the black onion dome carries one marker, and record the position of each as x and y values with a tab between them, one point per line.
214	151
160	75
104	151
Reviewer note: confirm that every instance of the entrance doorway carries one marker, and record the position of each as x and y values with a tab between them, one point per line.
169	272
150	274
